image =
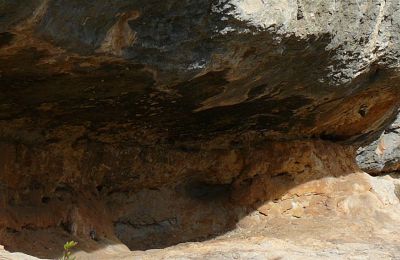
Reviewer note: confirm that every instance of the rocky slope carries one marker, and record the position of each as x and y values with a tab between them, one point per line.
151	123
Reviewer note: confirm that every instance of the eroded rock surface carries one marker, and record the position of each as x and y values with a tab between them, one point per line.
160	122
200	68
383	155
350	217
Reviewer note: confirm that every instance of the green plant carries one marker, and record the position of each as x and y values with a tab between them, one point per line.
67	250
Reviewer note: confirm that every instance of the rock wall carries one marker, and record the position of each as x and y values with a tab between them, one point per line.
383	155
173	120
207	63
165	195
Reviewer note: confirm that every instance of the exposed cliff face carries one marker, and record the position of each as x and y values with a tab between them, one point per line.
151	197
214	66
383	155
173	120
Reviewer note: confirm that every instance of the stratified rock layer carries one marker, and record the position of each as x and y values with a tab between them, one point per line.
201	68
173	120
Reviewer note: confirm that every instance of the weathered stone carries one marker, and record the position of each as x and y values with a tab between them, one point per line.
160	122
382	155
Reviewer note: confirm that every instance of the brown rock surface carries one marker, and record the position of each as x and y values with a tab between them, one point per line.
337	222
145	124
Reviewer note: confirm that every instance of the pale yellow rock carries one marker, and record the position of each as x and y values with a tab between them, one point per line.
285	205
297	211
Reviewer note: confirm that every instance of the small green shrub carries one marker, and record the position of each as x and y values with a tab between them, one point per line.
67	250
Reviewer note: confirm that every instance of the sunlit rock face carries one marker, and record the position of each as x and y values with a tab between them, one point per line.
382	155
174	119
199	68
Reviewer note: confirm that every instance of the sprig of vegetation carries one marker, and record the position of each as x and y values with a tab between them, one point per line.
67	250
